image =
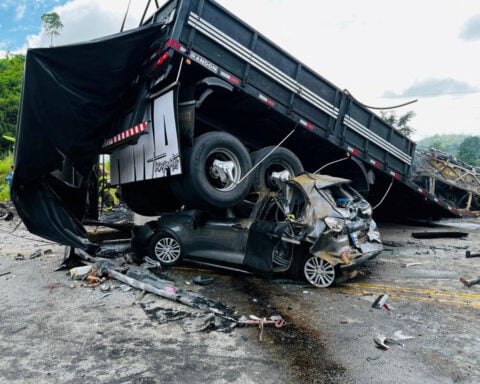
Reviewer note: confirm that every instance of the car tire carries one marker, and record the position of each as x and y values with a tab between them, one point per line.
319	272
166	248
199	187
150	198
280	160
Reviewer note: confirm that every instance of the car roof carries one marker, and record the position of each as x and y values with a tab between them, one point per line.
307	181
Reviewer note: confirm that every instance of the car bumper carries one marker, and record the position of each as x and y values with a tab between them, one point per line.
369	251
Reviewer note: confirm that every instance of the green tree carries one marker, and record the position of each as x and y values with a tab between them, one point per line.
400	123
11	74
469	150
52	24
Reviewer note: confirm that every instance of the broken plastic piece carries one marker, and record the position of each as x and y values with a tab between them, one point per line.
380	341
381	302
469	254
36	254
407	265
80	273
438	235
200	280
469	283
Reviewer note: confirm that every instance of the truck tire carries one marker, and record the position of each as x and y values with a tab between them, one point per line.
282	159
201	186
150	197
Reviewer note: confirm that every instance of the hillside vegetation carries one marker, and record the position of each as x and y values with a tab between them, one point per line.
11	74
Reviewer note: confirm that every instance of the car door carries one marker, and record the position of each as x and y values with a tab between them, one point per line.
220	240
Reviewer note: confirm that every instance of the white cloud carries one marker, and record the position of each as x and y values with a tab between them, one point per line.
20	11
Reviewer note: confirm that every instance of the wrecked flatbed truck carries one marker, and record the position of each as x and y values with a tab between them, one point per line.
451	179
192	107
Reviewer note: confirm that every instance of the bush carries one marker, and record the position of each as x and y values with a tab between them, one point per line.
5	165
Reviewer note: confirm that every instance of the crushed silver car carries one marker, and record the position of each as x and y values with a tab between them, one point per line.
314	226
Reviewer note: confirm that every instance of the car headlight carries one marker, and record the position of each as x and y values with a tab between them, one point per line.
335	224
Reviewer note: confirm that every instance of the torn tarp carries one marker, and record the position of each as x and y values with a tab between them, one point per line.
70	97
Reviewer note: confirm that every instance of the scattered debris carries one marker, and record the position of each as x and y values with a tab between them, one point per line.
36	254
105	295
200	280
390	243
380	341
19	256
381	302
81	273
383	342
254	320
439	235
469	283
105	287
407	265
469	254
7	216
4	273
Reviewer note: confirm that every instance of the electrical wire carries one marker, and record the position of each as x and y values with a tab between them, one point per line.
332	162
369	106
384	196
125	17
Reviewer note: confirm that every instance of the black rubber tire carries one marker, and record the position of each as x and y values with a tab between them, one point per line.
197	187
150	197
166	248
281	159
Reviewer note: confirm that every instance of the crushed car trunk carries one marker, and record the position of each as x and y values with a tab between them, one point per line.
70	97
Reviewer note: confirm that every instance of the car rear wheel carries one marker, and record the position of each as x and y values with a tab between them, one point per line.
165	248
280	160
318	272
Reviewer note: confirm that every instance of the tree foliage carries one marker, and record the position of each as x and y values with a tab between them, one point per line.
52	24
400	123
11	74
469	150
449	143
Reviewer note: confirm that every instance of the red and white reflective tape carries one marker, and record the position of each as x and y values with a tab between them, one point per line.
136	130
375	163
307	125
422	191
175	44
355	151
266	100
230	77
395	174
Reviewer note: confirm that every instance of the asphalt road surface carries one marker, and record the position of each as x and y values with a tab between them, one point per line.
55	331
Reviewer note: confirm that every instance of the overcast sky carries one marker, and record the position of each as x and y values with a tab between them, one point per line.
383	52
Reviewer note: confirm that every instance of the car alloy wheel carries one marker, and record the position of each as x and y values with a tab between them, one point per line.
318	272
165	248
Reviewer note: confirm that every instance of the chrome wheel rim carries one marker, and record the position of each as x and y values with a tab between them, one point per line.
319	273
224	155
167	250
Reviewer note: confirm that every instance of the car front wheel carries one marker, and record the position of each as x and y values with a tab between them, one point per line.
165	248
318	272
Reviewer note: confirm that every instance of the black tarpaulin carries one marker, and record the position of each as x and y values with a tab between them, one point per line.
70	97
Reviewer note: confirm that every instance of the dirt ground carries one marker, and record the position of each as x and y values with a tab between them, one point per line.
55	331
